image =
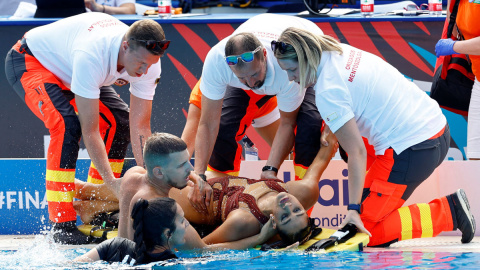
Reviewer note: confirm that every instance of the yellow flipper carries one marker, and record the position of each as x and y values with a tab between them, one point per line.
356	243
97	233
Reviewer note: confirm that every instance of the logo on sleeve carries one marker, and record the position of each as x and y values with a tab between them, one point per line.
332	117
157	80
121	82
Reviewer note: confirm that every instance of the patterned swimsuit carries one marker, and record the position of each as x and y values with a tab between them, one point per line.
229	193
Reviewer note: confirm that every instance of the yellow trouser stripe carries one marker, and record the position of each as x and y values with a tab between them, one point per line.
61	176
232	173
299	171
406	219
116	166
426	220
94	180
60	196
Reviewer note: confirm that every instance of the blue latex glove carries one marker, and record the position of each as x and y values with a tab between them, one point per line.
445	47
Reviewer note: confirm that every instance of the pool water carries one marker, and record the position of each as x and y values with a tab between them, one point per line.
44	254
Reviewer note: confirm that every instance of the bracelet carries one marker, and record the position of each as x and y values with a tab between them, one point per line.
269	168
356	207
103	8
203	176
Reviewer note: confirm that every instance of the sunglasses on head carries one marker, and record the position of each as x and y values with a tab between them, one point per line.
153	45
280	46
246	57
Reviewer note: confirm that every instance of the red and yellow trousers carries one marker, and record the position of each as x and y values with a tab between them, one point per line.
53	103
389	182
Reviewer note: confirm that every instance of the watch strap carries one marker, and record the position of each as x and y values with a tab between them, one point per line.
203	176
356	207
269	168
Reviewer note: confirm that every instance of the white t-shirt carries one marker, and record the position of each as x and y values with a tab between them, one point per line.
390	110
216	74
82	51
114	3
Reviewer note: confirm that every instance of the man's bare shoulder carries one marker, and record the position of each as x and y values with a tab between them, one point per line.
133	179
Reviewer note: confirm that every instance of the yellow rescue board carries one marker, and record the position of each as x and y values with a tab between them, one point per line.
356	243
87	230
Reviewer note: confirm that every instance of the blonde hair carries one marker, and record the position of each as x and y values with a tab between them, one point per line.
306	49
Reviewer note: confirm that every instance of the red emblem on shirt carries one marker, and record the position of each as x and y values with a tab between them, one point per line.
121	82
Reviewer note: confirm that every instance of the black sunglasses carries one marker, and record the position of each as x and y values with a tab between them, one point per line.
153	45
281	46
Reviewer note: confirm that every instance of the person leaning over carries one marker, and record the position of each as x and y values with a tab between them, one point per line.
261	112
358	94
63	71
245	61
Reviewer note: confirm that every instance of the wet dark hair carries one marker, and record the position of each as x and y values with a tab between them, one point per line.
158	146
150	219
300	236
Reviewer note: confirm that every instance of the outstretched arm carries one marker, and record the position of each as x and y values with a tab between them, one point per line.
193	240
306	190
265	234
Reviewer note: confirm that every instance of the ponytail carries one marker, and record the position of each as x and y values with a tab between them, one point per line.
150	220
137	215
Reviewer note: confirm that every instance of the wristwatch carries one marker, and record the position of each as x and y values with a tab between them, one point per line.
269	168
203	176
356	207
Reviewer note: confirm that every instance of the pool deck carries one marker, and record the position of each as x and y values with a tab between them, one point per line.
436	244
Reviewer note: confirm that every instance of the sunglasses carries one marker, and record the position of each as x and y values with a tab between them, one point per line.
246	57
153	45
281	46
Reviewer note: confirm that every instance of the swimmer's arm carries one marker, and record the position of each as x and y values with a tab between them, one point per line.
239	224
193	240
90	256
265	234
